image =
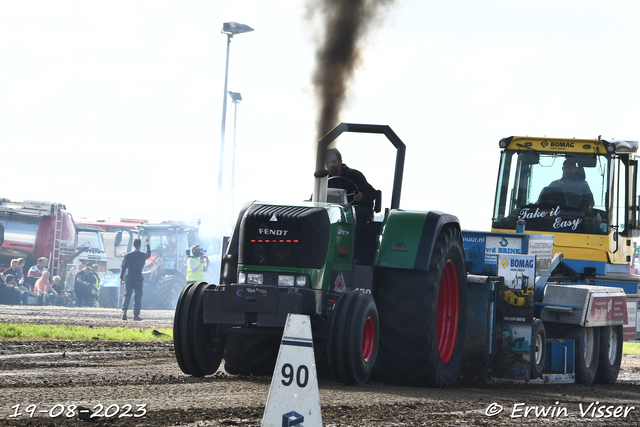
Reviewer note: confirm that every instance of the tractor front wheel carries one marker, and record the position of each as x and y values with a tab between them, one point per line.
199	347
352	346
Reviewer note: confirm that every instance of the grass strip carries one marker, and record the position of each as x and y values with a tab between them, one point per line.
631	348
25	331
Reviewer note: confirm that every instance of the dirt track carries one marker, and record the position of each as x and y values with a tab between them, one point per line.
87	374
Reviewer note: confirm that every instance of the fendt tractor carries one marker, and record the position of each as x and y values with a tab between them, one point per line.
432	301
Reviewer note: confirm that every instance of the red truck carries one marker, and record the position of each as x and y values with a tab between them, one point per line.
33	229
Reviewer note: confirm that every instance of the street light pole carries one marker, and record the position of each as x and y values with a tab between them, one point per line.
230	29
235	98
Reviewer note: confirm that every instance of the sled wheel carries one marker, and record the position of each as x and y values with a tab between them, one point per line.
587	352
177	330
423	317
251	353
353	339
610	357
537	349
206	343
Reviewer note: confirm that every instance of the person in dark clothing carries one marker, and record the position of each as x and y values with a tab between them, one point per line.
9	290
366	195
362	202
133	262
83	288
12	270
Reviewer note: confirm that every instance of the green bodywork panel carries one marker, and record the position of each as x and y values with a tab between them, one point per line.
400	239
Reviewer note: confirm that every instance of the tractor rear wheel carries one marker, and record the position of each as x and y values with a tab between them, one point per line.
423	317
537	349
108	297
352	346
167	291
251	354
610	356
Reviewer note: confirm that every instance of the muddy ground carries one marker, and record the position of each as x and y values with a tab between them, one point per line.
52	376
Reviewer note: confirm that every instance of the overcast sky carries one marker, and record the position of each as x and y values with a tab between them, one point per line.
114	107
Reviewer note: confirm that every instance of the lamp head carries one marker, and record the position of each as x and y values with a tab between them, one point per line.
233	28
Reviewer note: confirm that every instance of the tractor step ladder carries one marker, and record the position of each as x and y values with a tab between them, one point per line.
55	258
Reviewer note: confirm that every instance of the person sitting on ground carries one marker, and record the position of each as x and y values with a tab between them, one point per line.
45	291
20	270
13	269
64	297
9	290
35	272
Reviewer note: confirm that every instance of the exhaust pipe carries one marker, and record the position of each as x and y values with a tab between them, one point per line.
320	186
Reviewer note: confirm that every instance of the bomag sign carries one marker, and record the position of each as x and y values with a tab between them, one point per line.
557	145
561	144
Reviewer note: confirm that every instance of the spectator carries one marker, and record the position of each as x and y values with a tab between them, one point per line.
64	297
35	272
56	283
96	276
44	290
13	269
85	292
20	270
9	291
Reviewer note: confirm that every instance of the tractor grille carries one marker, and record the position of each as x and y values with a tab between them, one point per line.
284	236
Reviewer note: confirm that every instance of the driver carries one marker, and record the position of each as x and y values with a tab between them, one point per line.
365	197
571	190
362	200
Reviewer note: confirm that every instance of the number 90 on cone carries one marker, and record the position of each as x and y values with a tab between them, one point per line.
294	399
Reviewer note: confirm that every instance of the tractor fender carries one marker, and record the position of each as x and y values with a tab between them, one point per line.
408	238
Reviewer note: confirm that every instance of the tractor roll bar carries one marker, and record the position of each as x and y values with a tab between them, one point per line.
320	192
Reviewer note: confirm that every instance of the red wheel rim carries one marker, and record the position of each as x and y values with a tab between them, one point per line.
448	311
368	339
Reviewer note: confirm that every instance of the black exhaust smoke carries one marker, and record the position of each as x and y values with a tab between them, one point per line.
345	23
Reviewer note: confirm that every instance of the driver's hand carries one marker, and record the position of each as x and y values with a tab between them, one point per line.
357	197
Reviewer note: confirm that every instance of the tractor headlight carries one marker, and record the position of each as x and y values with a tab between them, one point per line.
301	280
286	280
242	278
254	279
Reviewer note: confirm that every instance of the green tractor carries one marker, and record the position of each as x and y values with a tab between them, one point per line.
402	311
